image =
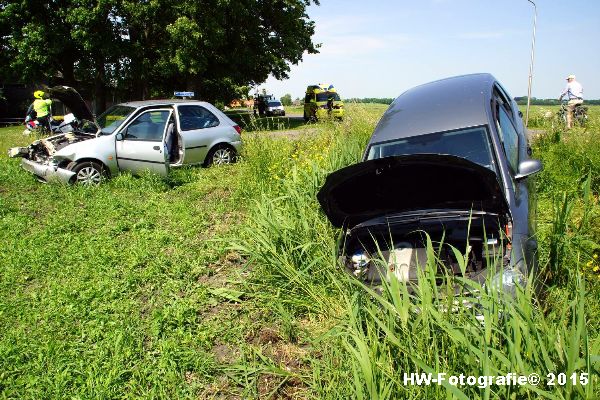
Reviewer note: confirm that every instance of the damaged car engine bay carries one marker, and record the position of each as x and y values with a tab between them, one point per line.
43	150
398	246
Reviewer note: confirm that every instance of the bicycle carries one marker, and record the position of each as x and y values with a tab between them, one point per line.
580	116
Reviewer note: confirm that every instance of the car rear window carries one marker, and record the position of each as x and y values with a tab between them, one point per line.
472	144
196	117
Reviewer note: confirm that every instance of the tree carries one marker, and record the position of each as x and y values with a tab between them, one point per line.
139	49
286	100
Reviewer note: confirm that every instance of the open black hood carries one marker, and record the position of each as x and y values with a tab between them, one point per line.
72	99
391	185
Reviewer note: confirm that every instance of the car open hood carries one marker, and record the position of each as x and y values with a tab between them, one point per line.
72	99
390	185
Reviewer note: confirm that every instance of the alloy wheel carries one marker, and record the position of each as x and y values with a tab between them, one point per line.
222	156
89	176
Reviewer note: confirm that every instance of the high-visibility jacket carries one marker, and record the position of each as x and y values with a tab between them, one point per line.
42	107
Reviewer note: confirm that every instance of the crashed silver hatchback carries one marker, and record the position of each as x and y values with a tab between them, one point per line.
451	159
138	136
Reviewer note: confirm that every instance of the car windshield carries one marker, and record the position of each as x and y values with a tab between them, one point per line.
112	118
274	103
326	95
472	144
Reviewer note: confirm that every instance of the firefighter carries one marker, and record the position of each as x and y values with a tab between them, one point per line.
43	108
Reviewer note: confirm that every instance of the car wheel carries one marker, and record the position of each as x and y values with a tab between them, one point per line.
221	154
88	173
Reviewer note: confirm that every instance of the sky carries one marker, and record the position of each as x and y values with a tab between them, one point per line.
381	48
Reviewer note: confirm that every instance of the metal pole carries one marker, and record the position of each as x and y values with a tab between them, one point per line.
531	64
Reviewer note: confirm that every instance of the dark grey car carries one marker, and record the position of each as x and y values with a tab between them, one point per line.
450	158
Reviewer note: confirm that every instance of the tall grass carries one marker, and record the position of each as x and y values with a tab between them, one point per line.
371	339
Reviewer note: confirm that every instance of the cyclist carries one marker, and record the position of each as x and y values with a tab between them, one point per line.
574	93
42	108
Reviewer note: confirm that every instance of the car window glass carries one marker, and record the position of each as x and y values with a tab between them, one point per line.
196	117
472	144
509	137
112	118
308	98
149	126
502	100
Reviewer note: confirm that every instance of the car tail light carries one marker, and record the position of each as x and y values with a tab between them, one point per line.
237	129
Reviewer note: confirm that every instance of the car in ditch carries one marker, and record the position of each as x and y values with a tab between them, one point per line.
151	135
450	159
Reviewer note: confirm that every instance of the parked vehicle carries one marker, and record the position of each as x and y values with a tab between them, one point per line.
449	158
274	108
261	102
137	136
322	101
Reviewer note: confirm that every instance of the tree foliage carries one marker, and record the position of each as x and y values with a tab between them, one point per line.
286	99
149	48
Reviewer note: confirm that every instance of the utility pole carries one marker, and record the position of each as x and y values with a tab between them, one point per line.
531	64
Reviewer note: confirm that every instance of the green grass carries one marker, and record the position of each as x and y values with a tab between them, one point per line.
223	283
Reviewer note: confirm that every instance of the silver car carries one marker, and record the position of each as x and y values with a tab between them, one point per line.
152	135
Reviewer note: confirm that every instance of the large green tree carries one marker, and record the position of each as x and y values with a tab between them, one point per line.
135	49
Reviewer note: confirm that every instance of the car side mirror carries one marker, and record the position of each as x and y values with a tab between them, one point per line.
119	137
528	168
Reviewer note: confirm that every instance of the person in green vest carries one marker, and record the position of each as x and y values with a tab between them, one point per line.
43	108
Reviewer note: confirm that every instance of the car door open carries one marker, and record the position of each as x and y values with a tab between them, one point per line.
140	146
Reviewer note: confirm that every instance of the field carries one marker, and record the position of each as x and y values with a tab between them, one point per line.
222	283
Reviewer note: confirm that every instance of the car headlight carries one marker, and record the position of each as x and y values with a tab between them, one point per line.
508	280
359	262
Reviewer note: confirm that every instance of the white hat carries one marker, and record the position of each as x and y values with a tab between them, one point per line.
571	76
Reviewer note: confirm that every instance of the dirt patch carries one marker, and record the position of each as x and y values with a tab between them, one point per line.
266	335
225	354
220	389
218	272
278	387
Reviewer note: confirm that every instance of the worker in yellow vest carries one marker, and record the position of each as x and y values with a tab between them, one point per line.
43	108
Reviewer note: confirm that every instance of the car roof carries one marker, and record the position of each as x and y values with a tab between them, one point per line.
145	103
446	104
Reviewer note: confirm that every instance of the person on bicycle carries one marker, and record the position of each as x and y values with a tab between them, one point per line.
574	93
42	107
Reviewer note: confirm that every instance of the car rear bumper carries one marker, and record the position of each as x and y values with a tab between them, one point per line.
47	173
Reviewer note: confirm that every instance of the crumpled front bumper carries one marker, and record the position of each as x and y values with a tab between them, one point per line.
47	173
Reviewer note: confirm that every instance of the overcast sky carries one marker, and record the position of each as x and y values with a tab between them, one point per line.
381	48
